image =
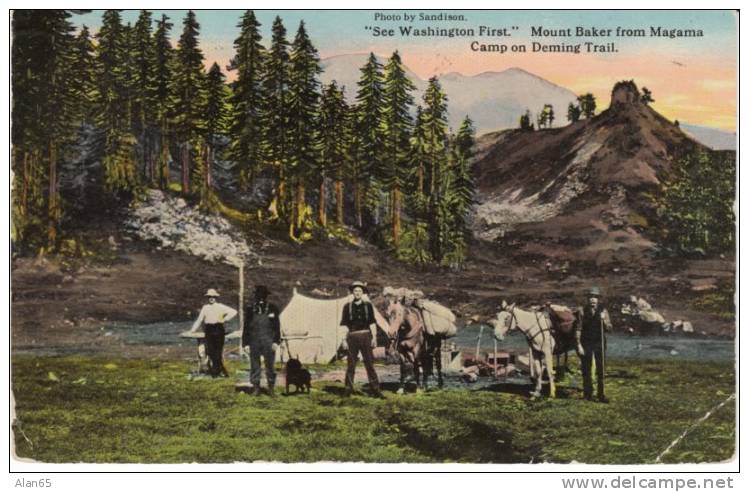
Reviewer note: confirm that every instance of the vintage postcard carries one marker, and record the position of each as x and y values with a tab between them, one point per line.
362	236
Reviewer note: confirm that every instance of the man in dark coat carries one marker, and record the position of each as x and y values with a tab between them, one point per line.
591	342
358	316
262	332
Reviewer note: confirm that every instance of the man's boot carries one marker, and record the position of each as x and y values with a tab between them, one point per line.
256	390
271	391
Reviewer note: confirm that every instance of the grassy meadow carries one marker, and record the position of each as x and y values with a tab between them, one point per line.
76	409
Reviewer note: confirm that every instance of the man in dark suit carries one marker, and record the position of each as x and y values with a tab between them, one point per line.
591	342
358	316
262	332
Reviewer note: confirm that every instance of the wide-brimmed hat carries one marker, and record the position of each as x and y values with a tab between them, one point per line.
212	293
594	291
261	291
358	283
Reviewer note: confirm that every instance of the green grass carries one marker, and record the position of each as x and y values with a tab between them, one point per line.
719	302
75	409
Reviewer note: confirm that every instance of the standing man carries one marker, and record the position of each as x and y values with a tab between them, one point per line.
591	342
358	316
214	315
262	332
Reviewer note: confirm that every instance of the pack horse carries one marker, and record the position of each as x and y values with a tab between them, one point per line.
415	346
538	331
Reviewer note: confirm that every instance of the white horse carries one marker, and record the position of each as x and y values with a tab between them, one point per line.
537	330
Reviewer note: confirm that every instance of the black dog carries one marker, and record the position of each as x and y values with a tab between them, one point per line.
298	376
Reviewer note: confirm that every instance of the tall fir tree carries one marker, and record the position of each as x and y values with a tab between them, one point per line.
525	121
216	115
463	188
587	104
333	149
466	138
414	246
45	118
276	116
397	128
144	116
573	113
304	95
418	156
247	99
83	74
370	105
161	96
435	129
114	105
189	105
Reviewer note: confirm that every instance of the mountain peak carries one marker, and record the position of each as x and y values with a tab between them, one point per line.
625	93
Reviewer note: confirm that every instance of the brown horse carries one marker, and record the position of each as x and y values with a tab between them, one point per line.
414	346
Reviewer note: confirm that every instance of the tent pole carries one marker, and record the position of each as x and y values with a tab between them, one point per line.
478	343
495	358
241	306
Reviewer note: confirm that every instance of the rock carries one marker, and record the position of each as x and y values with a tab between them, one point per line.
683	326
702	284
171	223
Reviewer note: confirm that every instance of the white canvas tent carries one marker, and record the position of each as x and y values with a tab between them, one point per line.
310	328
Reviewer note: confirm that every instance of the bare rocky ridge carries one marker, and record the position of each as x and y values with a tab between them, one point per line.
595	178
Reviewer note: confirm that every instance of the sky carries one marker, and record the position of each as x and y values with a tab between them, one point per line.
692	79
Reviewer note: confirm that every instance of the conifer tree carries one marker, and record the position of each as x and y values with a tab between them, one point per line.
461	191
114	105
550	116
435	129
370	104
215	118
587	104
466	138
418	155
44	117
397	129
83	74
647	96
333	151
161	98
189	104
541	120
247	99
276	114
525	121
143	105
304	95
573	113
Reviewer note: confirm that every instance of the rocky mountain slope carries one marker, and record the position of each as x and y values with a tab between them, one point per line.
588	185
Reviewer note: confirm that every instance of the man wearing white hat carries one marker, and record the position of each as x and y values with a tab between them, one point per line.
213	315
